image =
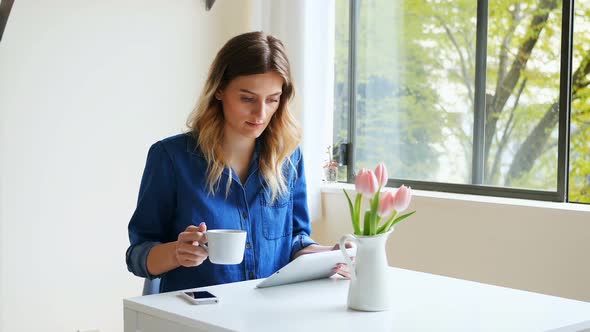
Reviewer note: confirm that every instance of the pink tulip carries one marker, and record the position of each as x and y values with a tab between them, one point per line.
403	196
366	182
386	203
381	174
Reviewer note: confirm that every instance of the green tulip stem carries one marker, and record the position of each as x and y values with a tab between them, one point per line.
367	225
391	222
374	214
353	214
385	227
357	214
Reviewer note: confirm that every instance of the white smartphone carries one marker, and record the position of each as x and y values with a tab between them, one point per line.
200	297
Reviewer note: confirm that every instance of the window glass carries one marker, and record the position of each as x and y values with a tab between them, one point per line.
415	74
579	184
522	94
341	82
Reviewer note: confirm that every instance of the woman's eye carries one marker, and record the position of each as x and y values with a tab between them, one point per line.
247	99
273	100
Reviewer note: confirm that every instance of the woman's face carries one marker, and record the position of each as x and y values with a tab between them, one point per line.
249	103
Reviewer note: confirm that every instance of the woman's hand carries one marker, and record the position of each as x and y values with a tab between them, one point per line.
188	252
340	268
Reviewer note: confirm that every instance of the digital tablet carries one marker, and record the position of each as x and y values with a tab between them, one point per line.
306	267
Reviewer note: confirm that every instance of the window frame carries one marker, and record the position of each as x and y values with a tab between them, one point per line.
477	167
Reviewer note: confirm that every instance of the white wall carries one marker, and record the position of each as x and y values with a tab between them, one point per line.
85	88
536	246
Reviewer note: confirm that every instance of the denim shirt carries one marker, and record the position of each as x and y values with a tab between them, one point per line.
174	194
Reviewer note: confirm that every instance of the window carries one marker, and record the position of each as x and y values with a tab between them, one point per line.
579	181
466	96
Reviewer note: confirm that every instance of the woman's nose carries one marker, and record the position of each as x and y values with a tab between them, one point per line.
260	109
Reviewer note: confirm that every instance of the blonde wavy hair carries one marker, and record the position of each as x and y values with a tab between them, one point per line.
247	54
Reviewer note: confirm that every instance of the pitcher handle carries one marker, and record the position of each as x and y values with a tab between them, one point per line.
347	259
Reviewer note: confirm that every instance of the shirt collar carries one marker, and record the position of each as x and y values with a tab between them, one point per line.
191	145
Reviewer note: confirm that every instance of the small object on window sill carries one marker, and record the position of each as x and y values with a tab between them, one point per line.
331	174
330	167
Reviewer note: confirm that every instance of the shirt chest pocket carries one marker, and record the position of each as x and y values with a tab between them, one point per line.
276	216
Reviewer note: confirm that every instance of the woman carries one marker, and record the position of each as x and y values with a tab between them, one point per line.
239	167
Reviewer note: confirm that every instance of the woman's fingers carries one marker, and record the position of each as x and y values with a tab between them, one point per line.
347	245
192	235
342	269
189	259
191	249
188	251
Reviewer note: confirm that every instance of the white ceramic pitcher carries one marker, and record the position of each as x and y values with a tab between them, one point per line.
369	276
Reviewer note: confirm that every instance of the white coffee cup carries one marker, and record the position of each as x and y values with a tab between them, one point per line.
226	246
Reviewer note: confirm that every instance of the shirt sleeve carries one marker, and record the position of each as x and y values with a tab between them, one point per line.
301	219
154	212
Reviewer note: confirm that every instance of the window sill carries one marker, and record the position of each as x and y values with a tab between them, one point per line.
333	188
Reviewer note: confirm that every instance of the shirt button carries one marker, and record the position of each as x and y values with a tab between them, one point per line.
251	275
248	246
245	215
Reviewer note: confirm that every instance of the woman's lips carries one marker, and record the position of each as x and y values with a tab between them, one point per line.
254	124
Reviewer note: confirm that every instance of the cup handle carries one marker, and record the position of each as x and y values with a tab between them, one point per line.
347	259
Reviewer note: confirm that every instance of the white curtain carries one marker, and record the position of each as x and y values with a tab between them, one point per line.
306	27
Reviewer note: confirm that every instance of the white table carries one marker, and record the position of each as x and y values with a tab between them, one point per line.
421	302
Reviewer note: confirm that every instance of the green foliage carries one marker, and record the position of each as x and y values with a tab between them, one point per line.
415	90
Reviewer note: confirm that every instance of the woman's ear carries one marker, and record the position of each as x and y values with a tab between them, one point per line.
218	94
